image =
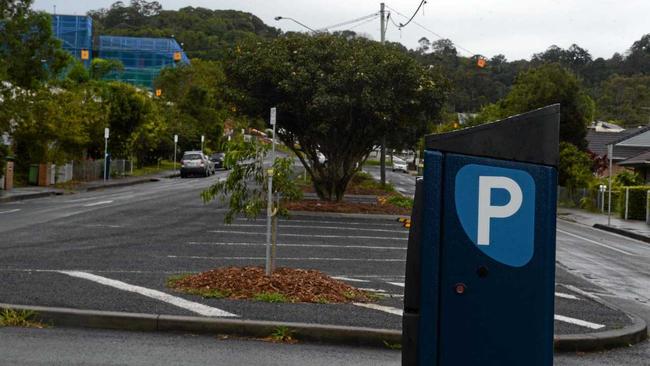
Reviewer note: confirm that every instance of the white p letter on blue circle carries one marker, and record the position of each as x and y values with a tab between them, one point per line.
496	207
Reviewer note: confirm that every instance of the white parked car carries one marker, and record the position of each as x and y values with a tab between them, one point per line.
400	165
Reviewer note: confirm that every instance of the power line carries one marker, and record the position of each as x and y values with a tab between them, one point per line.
350	21
434	33
414	14
367	21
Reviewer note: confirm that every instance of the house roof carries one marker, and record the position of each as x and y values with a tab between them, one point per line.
597	141
639	137
637	160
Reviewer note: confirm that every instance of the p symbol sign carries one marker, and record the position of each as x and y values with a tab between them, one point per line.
496	208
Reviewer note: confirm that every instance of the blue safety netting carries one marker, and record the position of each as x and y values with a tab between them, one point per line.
75	33
143	58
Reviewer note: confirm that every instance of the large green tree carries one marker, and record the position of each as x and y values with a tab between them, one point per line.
625	99
335	96
546	85
29	54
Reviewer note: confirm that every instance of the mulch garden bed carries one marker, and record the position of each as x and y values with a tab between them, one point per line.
381	207
294	285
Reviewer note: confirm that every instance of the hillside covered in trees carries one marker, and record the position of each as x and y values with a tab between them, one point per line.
620	85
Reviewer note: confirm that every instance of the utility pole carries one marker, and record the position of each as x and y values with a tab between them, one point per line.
610	153
106	166
382	32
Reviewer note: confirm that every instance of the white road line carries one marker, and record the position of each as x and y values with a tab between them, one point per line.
310	236
98	203
347	279
398	284
566	296
10	211
595	242
290	259
296	245
385	309
322	227
578	322
157	295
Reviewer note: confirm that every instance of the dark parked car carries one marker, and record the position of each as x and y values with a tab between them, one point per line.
218	160
196	163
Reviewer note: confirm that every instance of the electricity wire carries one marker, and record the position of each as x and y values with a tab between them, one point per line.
414	14
367	21
372	16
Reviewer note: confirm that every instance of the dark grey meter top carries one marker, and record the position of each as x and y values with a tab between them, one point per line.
531	137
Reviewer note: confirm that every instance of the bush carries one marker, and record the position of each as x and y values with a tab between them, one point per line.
636	202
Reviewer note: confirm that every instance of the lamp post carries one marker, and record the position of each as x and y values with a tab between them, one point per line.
278	18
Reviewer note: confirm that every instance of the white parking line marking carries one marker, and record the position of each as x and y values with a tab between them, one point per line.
290	259
334	222
594	242
579	322
385	309
309	236
10	211
342	278
157	295
98	203
296	245
372	290
398	229
398	284
566	296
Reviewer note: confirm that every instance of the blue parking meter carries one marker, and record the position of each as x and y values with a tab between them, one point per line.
480	273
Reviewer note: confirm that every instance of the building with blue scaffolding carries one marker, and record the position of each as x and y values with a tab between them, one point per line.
143	58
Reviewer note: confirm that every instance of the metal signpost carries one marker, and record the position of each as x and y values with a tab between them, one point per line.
175	144
106	135
269	205
202	141
480	271
610	153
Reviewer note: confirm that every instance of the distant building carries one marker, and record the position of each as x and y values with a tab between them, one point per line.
631	148
143	58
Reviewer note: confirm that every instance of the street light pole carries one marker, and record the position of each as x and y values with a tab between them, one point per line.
269	205
278	18
382	158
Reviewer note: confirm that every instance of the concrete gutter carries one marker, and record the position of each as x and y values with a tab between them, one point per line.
28	196
64	317
333	334
623	232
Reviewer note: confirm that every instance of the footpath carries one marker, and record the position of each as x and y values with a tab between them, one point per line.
31	192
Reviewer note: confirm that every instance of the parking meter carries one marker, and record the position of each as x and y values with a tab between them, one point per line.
480	271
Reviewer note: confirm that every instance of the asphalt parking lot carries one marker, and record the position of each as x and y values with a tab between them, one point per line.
117	256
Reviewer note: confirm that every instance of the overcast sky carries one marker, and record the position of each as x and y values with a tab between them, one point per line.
515	28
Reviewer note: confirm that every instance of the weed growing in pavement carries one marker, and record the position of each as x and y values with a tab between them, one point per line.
282	334
374	296
207	293
322	300
173	279
272	297
395	346
19	318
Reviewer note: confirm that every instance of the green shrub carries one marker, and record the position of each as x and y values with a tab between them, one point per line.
636	202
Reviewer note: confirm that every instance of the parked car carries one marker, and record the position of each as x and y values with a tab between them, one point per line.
218	160
399	164
196	163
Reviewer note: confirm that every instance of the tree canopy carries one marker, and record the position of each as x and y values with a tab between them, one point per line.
543	86
335	96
